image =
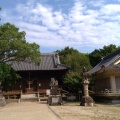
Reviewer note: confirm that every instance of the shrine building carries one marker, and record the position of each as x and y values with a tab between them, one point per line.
38	77
106	76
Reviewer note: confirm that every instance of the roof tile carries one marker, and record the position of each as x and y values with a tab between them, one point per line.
48	62
107	62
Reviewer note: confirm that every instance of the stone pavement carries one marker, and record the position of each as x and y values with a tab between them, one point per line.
27	111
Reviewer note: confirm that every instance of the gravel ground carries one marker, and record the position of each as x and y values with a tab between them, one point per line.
26	111
69	111
98	112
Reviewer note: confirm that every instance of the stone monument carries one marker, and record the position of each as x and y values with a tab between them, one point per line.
86	99
2	99
55	97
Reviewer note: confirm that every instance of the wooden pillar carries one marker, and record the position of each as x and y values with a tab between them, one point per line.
113	83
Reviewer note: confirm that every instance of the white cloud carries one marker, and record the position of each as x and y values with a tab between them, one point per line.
97	3
76	12
111	9
33	27
47	16
82	27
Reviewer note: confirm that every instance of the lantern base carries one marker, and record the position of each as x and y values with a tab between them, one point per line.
87	101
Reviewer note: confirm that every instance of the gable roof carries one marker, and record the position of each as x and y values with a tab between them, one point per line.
49	61
107	62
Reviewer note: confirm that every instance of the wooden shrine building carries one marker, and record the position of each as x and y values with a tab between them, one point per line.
106	76
38	77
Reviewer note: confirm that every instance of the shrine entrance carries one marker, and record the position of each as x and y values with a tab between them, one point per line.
29	84
30	88
33	82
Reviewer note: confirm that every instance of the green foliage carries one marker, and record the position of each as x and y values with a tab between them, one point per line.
97	55
7	76
73	81
76	61
13	45
65	52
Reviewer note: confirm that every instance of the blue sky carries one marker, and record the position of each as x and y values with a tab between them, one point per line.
85	25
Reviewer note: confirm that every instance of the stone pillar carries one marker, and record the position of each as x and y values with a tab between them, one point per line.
85	84
86	99
2	99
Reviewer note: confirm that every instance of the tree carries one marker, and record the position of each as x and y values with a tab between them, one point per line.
98	54
76	61
14	47
95	57
7	76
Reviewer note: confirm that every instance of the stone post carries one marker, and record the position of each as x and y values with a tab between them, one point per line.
85	84
2	99
86	99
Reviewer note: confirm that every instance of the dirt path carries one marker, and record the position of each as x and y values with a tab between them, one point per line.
77	112
26	111
41	111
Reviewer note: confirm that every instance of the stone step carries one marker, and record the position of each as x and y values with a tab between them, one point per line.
33	97
28	96
43	98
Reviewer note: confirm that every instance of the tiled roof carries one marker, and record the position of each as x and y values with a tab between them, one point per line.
107	62
49	61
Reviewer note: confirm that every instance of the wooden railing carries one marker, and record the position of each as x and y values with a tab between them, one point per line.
12	95
108	91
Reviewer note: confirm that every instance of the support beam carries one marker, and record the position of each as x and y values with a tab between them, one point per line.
113	83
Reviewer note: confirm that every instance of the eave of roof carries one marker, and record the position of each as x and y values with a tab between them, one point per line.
114	67
106	62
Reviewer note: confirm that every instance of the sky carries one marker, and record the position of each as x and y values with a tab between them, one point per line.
84	25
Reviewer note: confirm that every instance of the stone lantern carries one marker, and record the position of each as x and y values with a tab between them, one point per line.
86	99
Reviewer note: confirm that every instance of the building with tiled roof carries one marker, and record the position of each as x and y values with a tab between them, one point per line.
106	76
35	77
49	61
